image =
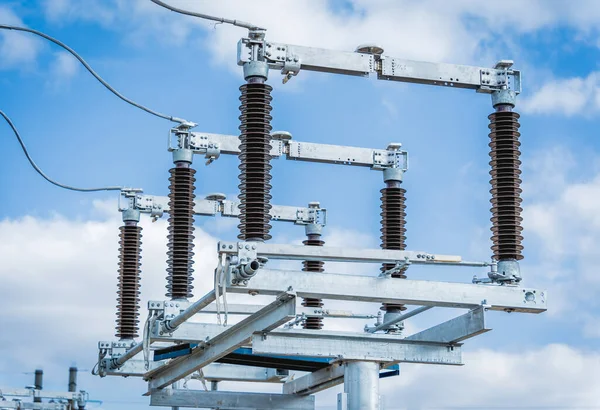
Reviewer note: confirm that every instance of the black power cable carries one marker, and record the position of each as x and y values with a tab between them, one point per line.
92	72
46	177
237	23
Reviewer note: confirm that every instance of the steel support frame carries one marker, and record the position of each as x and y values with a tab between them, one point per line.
270	317
212	372
387	290
230	400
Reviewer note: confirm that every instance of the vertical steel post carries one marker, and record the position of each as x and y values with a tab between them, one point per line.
72	387
38	383
361	387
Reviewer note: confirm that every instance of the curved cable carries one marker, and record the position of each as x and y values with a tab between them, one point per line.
238	23
46	177
92	72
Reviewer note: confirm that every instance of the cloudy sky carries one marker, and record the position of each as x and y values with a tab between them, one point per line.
59	248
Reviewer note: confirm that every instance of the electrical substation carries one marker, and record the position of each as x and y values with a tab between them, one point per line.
36	398
290	333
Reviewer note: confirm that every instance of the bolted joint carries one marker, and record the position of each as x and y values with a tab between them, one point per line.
256	70
504	97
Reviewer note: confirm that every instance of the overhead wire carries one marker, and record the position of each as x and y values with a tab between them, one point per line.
46	177
92	72
237	23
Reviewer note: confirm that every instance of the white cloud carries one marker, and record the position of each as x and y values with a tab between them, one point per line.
569	97
553	376
64	11
16	48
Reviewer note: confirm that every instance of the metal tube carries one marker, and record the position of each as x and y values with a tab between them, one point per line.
130	353
72	379
361	385
38	383
400	318
194	308
72	386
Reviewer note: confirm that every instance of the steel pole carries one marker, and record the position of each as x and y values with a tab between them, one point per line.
361	385
38	383
72	387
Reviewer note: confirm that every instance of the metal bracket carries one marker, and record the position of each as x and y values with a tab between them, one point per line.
376	159
216	204
290	59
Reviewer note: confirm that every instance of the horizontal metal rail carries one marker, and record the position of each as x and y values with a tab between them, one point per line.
230	400
326	253
354	346
387	290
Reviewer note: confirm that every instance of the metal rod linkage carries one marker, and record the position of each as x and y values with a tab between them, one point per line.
400	318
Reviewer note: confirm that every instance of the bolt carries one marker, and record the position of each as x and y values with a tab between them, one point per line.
247	247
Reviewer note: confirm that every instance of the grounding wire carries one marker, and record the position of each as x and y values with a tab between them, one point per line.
238	23
92	72
46	177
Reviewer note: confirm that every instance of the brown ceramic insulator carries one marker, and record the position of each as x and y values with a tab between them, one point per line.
313	322
255	158
128	301
181	233
393	232
506	186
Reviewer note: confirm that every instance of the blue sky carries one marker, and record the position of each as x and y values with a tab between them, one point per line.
59	248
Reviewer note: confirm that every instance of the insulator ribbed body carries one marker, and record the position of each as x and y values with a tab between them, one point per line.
128	301
313	322
255	157
393	231
506	186
181	233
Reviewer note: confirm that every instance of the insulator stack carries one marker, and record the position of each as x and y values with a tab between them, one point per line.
313	322
255	160
506	186
128	301
181	232
393	231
